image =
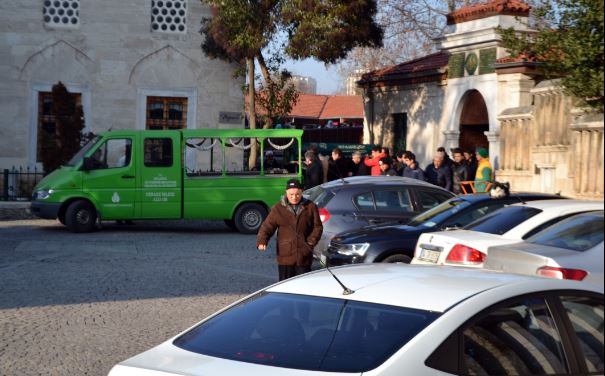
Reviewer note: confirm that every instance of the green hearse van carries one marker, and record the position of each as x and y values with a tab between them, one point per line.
173	174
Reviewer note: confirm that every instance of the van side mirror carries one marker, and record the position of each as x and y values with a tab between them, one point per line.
88	164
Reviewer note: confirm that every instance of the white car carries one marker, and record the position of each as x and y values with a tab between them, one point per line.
392	319
468	247
571	249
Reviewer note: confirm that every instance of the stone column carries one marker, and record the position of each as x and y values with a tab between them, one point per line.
452	139
494	148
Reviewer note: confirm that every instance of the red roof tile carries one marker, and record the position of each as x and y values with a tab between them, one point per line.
427	63
490	8
343	106
324	107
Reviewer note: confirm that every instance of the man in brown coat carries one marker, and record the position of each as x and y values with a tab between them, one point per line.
299	227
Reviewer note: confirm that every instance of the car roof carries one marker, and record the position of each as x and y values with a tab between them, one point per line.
563	204
413	286
357	181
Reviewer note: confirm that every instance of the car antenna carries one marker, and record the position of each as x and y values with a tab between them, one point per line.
345	289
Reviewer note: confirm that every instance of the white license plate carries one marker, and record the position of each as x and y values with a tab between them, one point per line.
429	255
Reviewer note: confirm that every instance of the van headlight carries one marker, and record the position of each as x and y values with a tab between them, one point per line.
353	249
42	194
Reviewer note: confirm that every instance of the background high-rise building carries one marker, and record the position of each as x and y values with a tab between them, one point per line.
305	85
351	87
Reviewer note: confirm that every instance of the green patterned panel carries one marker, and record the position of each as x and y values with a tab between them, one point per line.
455	66
487	59
470	63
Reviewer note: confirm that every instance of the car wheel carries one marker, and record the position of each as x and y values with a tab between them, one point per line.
249	217
61	218
398	258
80	216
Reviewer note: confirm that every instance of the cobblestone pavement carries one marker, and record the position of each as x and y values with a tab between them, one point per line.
76	304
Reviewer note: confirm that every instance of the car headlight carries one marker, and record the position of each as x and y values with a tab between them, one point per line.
42	194
353	249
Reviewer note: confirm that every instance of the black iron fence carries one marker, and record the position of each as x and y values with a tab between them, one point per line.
18	183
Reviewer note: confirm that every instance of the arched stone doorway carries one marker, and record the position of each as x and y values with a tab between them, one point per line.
474	122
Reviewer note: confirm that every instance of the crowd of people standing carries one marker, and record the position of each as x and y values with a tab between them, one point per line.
450	173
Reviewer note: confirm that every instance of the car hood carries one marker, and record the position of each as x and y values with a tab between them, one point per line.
167	359
377	233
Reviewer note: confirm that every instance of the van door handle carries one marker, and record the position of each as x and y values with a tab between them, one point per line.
127	176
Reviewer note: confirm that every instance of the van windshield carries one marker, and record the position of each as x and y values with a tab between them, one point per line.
307	332
76	158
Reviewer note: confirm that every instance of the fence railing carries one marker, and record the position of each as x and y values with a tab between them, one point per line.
18	183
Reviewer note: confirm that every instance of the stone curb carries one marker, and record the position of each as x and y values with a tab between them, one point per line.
15	210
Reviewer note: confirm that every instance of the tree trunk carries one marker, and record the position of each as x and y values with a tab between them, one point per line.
268	81
251	112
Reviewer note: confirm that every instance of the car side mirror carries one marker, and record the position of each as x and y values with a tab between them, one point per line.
88	164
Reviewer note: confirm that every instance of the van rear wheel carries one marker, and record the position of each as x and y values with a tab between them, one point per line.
249	217
80	216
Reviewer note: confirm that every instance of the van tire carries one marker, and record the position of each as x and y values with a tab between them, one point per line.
230	223
249	217
397	258
80	216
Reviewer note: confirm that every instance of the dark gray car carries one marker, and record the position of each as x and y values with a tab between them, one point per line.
360	201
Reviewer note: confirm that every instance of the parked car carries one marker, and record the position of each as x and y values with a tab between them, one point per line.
396	243
356	202
396	320
509	225
571	249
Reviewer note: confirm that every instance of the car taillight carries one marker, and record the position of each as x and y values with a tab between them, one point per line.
561	273
324	215
462	254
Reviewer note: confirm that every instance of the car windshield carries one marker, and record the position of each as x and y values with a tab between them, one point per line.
307	332
502	220
439	213
578	233
76	158
319	196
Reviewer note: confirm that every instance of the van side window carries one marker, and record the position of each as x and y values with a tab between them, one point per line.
158	152
113	153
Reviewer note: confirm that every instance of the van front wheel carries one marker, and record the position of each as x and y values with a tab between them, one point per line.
80	216
249	217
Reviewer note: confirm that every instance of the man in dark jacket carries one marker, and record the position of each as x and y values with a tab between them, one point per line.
299	227
313	170
338	166
412	170
460	171
438	173
358	167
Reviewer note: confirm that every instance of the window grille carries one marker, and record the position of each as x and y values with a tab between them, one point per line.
166	113
65	13
169	16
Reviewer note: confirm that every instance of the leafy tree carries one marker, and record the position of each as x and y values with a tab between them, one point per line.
569	44
64	143
246	31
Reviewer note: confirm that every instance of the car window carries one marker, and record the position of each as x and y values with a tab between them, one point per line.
578	233
473	213
397	201
502	220
430	199
546	224
321	197
518	339
364	201
307	332
586	316
439	213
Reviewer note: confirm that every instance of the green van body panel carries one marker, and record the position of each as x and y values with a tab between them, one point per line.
142	191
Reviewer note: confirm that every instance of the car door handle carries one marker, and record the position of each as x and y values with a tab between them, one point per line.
127	176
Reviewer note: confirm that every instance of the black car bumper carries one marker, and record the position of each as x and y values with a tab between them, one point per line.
45	210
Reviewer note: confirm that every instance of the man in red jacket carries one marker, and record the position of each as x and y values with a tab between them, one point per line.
377	155
299	227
